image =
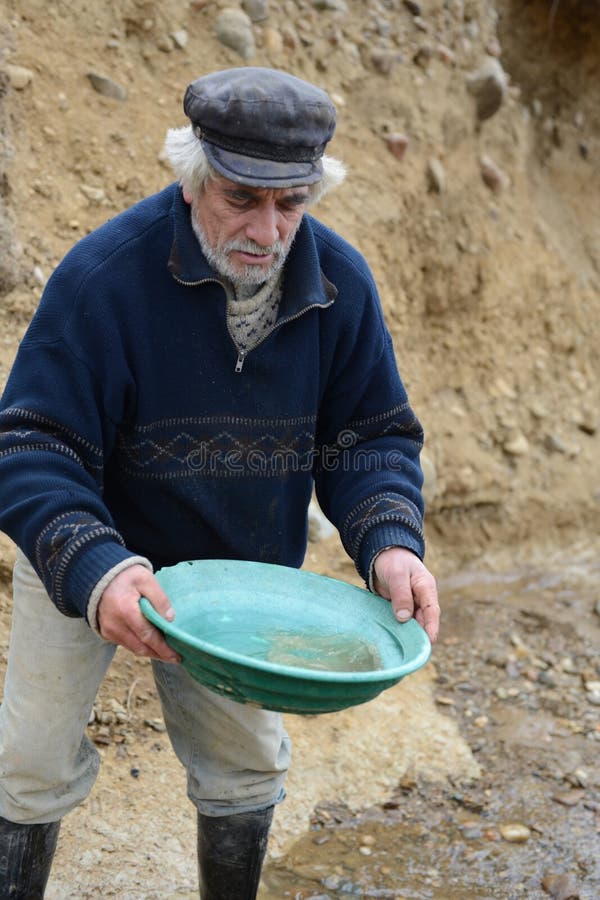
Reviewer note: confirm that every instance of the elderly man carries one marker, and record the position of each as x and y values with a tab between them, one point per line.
208	323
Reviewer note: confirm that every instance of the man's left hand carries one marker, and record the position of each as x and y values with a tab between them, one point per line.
401	577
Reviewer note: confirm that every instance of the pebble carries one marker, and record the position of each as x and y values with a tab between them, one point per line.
446	55
587	421
272	40
164	44
536	108
19	77
567	665
179	38
555	444
488	84
290	36
384	60
580	777
234	29
258	10
490	834
517	445
515	833
322	839
106	86
493	47
423	56
382	26
569	798
472	29
396	144
156	725
547	679
102	736
492	176
561	887
413	7
436	176
93	194
335	5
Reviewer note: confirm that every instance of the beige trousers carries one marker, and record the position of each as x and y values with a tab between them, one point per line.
236	756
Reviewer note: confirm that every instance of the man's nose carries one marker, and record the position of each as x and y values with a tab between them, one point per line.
262	227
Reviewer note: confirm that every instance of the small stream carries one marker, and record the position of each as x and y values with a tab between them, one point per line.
519	666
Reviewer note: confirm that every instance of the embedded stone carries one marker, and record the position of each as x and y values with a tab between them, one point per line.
106	86
19	77
488	84
234	29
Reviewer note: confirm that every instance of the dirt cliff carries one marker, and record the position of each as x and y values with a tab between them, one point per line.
471	133
483	232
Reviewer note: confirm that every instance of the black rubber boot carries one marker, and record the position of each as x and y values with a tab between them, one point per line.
231	850
26	854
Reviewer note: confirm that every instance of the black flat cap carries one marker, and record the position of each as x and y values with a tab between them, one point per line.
260	126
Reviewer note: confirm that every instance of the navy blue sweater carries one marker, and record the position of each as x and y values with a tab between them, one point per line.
126	430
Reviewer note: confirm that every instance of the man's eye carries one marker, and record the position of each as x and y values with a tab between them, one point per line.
240	199
292	203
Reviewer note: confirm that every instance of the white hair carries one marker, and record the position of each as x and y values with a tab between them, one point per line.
192	169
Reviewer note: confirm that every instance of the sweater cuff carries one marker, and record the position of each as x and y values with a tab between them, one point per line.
85	572
96	595
379	538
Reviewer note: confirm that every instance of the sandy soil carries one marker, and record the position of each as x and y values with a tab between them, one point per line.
492	296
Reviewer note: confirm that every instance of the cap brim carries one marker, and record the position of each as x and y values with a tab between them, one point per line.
262	172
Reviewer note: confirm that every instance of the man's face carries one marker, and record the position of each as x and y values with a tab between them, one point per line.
246	232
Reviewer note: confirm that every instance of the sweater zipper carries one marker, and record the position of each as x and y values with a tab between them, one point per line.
242	354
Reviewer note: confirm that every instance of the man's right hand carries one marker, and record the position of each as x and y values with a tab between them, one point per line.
121	621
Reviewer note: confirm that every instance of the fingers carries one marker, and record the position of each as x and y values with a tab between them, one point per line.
401	595
402	578
121	620
427	603
131	629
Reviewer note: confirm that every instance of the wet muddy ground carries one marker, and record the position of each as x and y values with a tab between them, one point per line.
516	684
518	668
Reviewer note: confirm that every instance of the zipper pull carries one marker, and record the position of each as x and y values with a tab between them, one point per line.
240	361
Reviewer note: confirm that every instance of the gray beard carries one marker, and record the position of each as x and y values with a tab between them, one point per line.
246	279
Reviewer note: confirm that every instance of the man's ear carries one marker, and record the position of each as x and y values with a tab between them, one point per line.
187	196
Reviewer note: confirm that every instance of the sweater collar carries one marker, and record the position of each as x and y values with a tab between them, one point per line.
304	283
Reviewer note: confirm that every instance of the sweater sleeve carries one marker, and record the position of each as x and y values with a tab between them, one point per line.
56	433
367	475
